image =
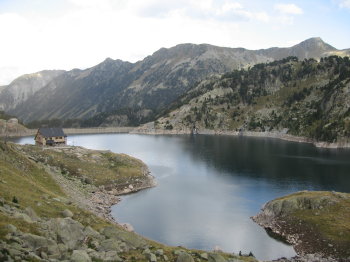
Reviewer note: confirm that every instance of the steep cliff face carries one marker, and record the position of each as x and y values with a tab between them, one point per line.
144	88
314	222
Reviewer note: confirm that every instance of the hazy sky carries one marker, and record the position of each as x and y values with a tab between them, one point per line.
66	34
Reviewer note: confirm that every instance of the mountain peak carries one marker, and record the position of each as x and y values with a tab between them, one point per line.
316	43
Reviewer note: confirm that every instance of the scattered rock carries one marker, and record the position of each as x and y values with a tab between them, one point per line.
31	213
204	256
184	257
41	244
151	257
177	252
110	244
68	231
67	213
80	256
159	252
23	216
216	258
131	239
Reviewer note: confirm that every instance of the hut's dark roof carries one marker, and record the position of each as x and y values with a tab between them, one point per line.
51	131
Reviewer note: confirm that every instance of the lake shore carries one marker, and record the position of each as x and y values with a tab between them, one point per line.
277	135
187	131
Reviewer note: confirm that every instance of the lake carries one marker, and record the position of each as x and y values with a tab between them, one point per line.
210	186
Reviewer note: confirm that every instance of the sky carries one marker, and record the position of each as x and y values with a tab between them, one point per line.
66	34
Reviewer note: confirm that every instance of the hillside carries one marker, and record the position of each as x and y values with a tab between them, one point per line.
302	98
120	93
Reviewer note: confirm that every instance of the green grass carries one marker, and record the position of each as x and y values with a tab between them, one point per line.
102	168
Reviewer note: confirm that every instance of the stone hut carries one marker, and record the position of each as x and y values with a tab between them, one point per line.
50	136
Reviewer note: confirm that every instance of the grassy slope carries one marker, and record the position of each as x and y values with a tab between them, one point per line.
104	168
33	187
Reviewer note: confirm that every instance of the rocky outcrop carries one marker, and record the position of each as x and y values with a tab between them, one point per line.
312	222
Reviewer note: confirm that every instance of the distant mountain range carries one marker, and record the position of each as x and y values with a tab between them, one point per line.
116	92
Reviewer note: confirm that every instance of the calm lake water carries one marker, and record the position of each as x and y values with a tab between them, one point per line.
210	186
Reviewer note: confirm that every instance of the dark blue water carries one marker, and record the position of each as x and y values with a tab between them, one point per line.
209	186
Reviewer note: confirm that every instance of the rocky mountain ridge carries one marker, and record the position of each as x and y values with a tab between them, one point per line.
122	93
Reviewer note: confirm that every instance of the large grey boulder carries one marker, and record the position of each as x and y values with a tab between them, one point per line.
131	239
184	257
105	256
80	256
111	244
213	257
41	244
67	213
68	232
151	257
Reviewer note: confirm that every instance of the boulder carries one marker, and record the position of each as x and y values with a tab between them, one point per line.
216	258
112	256
184	257
23	216
204	256
41	244
67	213
131	239
80	256
151	257
105	256
31	213
159	252
110	244
68	231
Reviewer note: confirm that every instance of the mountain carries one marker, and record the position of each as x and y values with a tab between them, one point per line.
115	92
23	87
302	98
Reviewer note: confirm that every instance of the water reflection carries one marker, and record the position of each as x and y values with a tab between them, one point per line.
209	186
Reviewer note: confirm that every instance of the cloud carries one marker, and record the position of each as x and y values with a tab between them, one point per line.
344	3
289	9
